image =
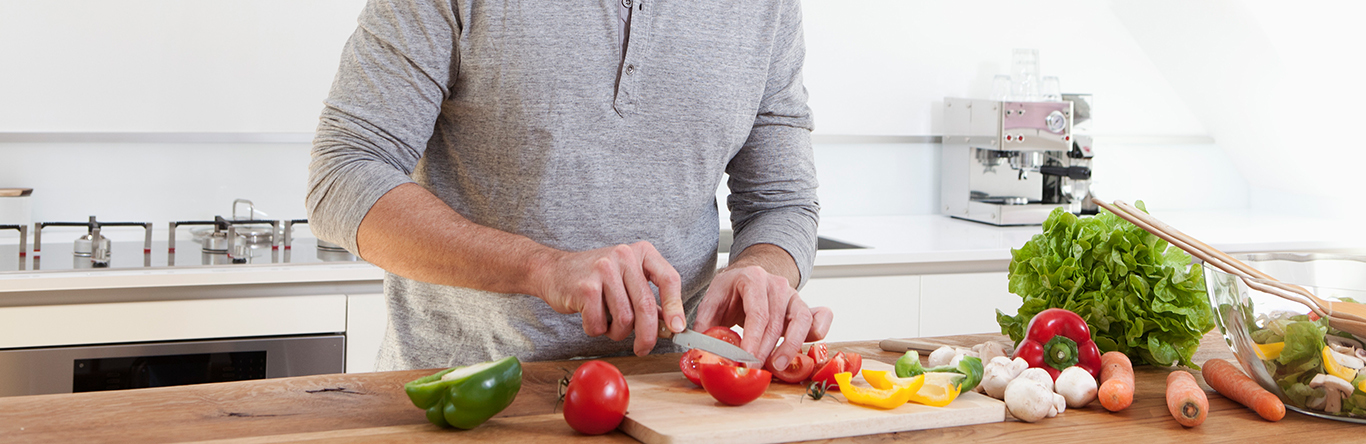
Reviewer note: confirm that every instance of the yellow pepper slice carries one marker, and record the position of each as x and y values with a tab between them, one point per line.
881	380
937	392
883	399
1270	351
1335	369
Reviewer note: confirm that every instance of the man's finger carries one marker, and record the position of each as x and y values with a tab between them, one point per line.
591	309
798	326
753	291
709	310
666	278
821	317
643	304
618	302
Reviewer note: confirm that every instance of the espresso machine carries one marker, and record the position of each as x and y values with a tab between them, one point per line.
1013	162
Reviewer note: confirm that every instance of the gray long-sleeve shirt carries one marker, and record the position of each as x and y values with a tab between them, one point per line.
528	117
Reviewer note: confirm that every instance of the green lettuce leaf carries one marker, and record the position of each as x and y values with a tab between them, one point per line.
1138	296
1303	340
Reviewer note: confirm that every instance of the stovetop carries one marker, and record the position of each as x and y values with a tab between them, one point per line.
57	255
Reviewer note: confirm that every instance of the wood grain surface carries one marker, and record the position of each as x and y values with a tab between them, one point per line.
371	407
667	408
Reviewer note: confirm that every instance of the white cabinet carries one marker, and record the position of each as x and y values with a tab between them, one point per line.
147	321
867	307
952	304
879	307
366	319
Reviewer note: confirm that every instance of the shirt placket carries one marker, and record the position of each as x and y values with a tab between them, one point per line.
636	44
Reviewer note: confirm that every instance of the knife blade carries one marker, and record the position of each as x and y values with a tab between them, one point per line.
692	339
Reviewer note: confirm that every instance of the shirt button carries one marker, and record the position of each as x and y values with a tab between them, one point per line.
626	3
630	69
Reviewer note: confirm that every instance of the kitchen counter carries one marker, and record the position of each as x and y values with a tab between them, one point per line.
898	245
373	407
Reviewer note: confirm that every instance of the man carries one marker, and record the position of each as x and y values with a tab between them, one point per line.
527	171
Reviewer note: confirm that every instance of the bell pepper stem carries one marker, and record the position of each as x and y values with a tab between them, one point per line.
1060	352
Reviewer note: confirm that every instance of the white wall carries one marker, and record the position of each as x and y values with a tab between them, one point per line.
169	65
874	67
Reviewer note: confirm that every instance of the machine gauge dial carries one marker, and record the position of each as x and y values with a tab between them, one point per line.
1056	122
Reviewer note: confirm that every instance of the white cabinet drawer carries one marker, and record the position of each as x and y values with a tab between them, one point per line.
54	325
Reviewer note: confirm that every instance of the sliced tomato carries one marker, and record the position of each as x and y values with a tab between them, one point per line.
694	358
734	385
819	353
796	371
853	362
724	334
835	365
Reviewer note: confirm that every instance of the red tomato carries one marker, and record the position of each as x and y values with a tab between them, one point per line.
796	371
734	385
1313	316
819	353
596	399
853	362
693	358
837	363
724	334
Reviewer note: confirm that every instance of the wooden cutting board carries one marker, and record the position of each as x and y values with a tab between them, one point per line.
666	408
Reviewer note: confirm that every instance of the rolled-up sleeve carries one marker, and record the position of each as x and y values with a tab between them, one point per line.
773	176
396	70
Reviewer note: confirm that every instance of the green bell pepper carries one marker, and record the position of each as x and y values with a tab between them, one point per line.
465	397
908	366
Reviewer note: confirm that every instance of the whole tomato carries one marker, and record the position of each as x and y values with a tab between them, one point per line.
595	400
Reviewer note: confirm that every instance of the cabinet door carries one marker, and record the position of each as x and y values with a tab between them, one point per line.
868	308
953	304
366	318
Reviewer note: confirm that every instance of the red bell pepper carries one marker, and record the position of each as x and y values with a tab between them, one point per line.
1057	339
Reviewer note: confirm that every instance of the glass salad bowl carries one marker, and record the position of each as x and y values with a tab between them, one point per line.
1282	346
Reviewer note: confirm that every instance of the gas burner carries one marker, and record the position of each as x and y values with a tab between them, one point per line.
92	249
231	240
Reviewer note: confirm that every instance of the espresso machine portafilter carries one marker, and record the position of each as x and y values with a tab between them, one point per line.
1010	162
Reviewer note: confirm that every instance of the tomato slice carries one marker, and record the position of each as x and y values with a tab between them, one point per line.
826	373
693	358
734	385
819	353
796	371
724	334
853	362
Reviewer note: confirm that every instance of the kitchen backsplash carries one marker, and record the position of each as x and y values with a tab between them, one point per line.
171	181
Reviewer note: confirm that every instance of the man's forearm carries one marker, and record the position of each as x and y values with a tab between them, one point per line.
412	233
772	258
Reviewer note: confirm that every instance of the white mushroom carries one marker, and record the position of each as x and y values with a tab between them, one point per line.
1336	388
1077	386
941	356
1348	361
1040	375
990	350
1059	405
1029	400
998	374
1331	382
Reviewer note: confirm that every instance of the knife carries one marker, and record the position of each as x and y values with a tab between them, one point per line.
692	339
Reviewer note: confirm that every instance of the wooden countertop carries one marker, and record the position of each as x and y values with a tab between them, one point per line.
372	407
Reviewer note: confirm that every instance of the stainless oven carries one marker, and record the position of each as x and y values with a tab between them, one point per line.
37	371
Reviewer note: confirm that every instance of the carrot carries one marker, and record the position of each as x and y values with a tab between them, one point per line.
1116	381
1229	381
1185	399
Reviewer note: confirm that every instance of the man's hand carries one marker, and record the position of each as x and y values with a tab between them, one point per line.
765	304
610	288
